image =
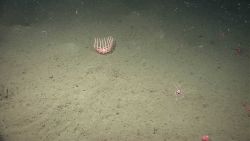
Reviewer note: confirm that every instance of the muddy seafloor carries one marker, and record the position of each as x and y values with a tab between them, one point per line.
55	87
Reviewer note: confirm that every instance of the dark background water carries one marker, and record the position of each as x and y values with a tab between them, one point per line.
25	12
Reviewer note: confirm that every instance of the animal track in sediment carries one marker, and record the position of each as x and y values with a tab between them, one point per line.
38	119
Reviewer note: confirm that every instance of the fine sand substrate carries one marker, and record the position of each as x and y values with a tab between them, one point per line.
55	87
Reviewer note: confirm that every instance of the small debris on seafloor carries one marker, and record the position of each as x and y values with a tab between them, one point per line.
51	77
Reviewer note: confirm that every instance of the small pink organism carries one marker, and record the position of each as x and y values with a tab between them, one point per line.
178	93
